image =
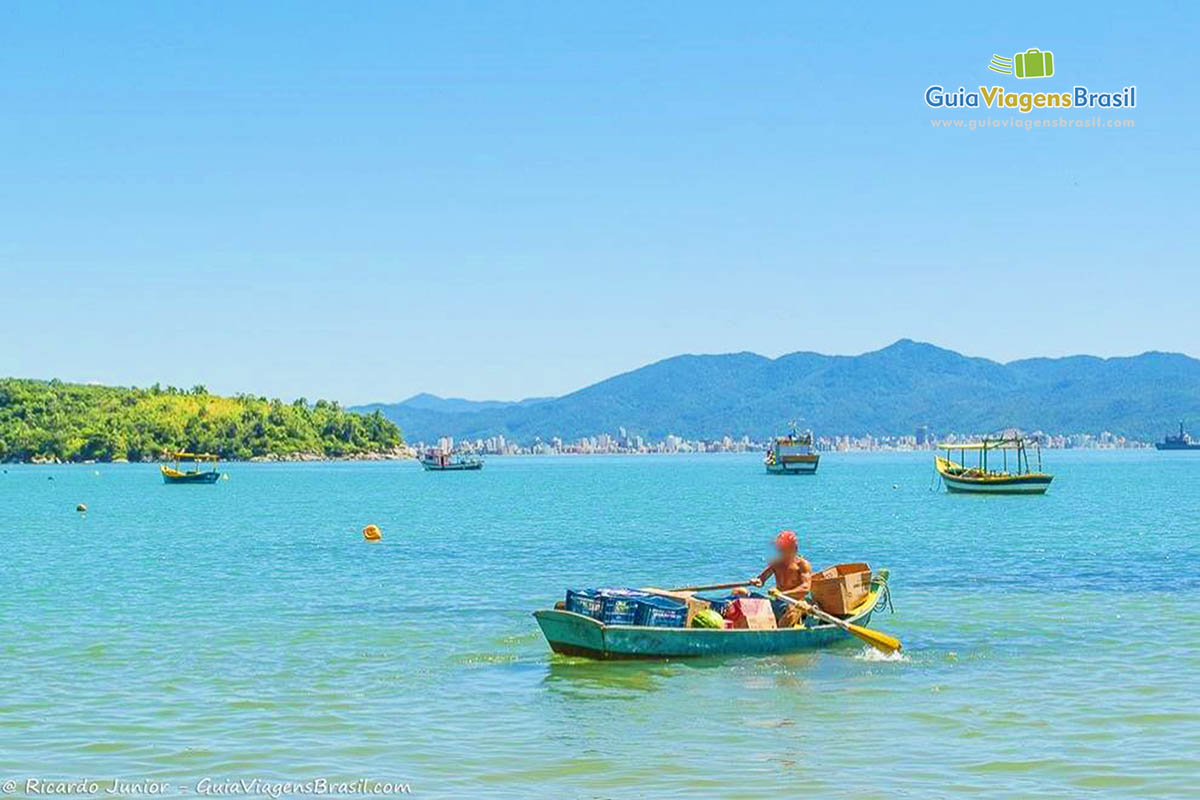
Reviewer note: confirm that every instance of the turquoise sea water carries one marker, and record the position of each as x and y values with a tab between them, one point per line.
246	630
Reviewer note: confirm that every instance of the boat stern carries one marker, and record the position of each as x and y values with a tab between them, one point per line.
571	634
795	465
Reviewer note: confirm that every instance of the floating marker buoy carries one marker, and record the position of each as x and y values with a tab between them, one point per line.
372	533
895	486
81	508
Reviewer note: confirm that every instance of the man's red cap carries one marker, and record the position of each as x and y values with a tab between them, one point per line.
786	539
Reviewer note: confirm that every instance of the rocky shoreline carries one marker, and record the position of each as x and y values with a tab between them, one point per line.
398	454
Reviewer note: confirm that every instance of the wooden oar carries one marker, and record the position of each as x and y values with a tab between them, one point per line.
686	593
880	641
674	594
712	586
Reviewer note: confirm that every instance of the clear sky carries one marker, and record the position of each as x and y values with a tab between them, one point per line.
361	201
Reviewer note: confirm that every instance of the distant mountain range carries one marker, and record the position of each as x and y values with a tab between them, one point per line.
457	405
886	392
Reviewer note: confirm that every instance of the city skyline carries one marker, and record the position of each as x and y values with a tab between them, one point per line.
625	444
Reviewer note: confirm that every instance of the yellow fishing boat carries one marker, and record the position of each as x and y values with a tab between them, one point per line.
195	474
994	477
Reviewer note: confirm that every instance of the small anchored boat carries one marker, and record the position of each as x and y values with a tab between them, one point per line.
194	475
438	460
792	454
572	634
985	478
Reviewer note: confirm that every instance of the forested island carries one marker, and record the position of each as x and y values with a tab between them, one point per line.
52	420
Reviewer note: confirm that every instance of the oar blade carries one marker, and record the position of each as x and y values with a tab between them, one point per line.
877	639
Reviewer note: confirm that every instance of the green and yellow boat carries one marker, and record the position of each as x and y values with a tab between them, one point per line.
194	475
574	634
998	476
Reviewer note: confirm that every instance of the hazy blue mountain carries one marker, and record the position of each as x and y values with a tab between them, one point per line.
888	391
453	405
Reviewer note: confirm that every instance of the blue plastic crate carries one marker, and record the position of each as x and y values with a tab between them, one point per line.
661	612
585	601
619	606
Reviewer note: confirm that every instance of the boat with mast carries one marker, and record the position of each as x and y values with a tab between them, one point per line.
991	473
1180	442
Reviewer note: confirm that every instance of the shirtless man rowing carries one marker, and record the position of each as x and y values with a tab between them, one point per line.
792	573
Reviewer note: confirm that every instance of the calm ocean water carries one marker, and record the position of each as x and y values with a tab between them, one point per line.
246	629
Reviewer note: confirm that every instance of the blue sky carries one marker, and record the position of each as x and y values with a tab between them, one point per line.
362	201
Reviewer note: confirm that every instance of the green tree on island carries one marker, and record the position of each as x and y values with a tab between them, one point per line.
73	422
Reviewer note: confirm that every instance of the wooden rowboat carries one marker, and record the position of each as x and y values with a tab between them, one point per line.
574	634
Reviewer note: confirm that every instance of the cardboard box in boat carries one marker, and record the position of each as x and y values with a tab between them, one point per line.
840	588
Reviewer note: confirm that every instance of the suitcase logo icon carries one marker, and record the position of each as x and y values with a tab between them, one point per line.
1033	63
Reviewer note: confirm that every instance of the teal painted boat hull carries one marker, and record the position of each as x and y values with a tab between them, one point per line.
462	467
1037	484
793	468
574	634
192	477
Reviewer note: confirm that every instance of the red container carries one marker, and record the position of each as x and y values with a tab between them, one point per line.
754	613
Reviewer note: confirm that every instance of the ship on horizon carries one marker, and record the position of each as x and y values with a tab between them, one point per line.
1180	442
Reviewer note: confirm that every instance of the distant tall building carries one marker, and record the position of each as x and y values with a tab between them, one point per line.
923	436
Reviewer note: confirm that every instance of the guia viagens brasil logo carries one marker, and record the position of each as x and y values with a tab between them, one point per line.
1031	63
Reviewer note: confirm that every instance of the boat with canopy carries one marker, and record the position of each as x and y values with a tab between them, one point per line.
441	460
198	472
1001	466
792	454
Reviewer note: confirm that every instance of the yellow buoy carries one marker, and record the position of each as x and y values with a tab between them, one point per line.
372	533
81	508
